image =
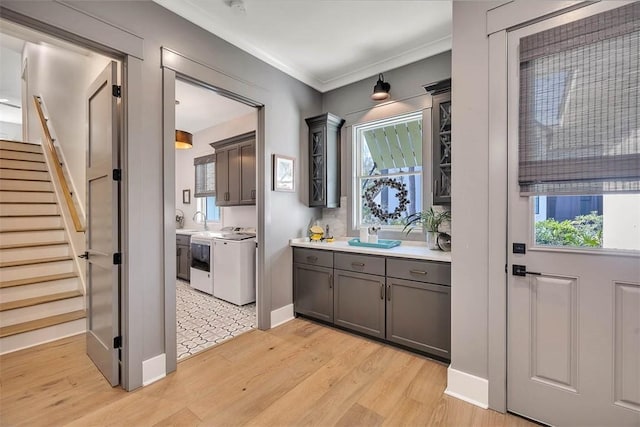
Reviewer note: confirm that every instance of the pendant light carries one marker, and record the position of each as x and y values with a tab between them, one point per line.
184	140
381	89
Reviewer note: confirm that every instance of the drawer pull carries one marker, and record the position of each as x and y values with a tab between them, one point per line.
421	272
382	291
388	292
312	258
357	264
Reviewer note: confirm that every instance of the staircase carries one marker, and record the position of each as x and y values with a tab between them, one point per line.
41	296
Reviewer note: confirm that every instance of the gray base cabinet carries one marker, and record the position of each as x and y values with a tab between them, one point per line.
359	302
419	316
183	257
403	301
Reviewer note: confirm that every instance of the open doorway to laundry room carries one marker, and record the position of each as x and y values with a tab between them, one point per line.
216	217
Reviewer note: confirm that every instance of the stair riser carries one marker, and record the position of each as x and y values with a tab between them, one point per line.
20	146
33	237
27	209
27	271
19	155
27	175
41	336
8	224
25	314
20	197
13	185
20	254
16	293
23	165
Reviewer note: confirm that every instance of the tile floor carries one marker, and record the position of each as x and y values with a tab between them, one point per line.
203	321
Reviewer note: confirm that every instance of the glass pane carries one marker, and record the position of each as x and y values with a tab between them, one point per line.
213	211
388	204
610	221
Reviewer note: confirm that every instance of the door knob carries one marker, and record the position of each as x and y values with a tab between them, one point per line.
521	270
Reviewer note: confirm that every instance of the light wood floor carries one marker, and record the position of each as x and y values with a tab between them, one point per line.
300	373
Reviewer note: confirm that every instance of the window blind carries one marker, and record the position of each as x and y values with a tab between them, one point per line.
579	123
396	146
205	168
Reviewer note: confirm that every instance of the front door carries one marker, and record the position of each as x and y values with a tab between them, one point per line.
102	234
573	326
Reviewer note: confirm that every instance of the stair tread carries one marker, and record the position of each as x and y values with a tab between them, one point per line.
26	191
27	203
34	261
28	215
28	302
27	146
19	230
32	325
25	180
37	279
34	244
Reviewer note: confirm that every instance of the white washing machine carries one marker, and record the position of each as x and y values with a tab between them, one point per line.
234	267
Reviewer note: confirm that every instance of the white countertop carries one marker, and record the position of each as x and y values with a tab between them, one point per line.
408	249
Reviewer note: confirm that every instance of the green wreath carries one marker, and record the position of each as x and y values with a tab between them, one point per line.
376	209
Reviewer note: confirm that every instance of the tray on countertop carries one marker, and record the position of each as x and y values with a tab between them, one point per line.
382	243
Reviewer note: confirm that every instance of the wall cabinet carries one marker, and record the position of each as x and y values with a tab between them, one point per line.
403	301
441	125
183	257
236	170
324	160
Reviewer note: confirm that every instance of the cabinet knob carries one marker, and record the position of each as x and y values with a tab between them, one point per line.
312	258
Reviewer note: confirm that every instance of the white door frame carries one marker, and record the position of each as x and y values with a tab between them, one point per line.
175	64
499	22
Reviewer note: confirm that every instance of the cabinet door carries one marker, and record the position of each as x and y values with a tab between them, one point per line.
317	166
419	316
183	264
442	148
359	302
248	174
222	177
233	197
313	291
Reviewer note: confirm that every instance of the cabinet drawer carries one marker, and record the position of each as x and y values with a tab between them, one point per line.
360	263
182	239
421	271
313	257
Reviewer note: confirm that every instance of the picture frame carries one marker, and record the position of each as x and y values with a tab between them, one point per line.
283	173
186	197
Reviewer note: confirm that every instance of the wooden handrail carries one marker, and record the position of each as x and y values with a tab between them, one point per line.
56	166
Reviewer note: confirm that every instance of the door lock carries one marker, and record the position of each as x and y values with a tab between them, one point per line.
521	270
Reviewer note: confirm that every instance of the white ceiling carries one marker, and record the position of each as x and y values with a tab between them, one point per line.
327	43
200	108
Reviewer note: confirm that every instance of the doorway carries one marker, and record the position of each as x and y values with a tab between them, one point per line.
203	316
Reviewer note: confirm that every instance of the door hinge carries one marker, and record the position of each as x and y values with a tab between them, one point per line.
116	91
117	174
117	342
117	258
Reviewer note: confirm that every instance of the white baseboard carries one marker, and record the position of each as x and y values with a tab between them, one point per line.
153	369
467	387
281	315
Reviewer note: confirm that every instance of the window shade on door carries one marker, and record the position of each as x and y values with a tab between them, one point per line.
579	124
205	167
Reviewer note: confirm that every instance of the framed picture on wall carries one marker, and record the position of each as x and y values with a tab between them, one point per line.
186	197
283	173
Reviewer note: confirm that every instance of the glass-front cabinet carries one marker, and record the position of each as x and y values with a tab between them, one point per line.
441	125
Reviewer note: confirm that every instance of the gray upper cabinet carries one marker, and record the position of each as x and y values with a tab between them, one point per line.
236	170
441	125
324	160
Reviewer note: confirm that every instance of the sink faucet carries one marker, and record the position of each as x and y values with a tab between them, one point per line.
204	217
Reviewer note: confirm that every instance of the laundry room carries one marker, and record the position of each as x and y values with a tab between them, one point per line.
216	217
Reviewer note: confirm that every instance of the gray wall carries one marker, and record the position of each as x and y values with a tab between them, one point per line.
291	101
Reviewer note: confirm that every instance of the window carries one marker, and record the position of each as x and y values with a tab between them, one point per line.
208	206
387	164
205	187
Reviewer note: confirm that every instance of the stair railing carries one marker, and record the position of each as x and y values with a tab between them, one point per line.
57	165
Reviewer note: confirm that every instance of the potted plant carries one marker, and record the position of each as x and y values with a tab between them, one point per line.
430	221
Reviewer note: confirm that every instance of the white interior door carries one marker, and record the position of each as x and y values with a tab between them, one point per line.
574	317
102	234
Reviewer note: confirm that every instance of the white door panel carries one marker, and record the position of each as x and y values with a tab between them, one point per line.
573	324
102	243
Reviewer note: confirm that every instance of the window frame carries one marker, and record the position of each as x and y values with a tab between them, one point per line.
421	103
